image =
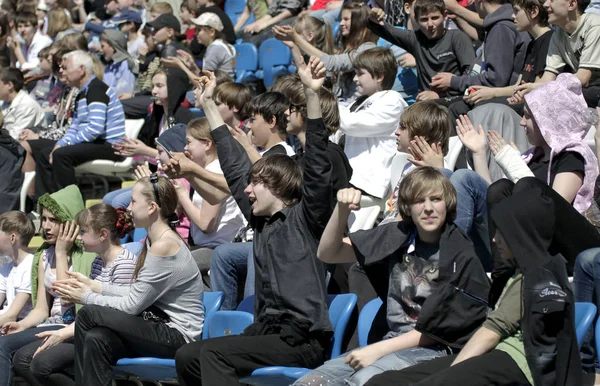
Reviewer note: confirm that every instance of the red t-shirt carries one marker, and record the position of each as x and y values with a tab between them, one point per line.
319	4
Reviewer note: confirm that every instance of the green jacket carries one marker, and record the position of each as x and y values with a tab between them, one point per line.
64	204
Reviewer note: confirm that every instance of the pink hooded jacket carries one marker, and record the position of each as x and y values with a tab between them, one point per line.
563	117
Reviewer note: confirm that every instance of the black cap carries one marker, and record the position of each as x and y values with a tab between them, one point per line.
166	20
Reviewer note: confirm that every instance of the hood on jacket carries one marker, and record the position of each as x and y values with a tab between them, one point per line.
64	204
526	221
561	113
118	41
178	84
504	13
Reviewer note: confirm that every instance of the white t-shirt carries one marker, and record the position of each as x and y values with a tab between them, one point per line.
229	219
14	280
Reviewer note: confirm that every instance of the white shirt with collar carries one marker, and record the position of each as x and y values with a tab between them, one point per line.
38	43
22	113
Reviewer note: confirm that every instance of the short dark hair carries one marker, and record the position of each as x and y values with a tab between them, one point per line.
270	105
281	175
428	6
17	222
429	120
529	6
26	18
582	5
14	76
234	95
378	61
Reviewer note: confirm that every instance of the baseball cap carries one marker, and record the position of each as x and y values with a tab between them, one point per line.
165	20
128	16
209	19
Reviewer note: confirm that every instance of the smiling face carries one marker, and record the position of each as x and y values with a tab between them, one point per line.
264	203
431	24
402	138
159	89
532	131
92	241
50	226
428	213
198	148
367	85
346	22
140	208
26	30
558	10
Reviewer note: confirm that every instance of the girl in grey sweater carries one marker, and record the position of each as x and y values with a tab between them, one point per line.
153	317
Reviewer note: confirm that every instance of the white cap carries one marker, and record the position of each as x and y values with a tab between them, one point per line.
209	19
42	6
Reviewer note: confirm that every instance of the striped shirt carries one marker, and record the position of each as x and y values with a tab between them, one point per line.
98	116
119	272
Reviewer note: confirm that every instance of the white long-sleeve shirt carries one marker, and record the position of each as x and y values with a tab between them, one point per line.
370	141
22	113
30	53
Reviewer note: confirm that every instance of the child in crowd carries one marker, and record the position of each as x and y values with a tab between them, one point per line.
354	39
434	48
58	254
573	48
429	278
30	41
158	313
256	8
212	224
317	32
20	110
529	339
120	68
291	325
46	79
501	59
370	122
188	12
278	12
16	231
59	24
130	23
49	360
219	54
165	29
231	99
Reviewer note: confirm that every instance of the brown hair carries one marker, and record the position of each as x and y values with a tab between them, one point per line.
26	18
281	175
429	120
199	129
420	182
429	6
117	222
234	95
167	204
378	61
72	42
45	52
359	33
321	30
162	7
529	6
291	86
191	6
58	21
17	222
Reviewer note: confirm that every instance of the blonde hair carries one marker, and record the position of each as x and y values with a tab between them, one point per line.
199	129
321	30
421	182
58	21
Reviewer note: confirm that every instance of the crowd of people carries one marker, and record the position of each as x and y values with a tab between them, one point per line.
254	192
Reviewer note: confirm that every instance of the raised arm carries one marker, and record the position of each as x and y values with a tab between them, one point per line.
397	36
334	248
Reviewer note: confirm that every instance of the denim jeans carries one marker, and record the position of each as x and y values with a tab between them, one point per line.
229	264
9	344
329	16
118	198
337	373
471	212
586	287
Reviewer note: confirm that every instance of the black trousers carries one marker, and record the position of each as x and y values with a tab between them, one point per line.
494	368
50	178
51	367
573	233
104	335
221	361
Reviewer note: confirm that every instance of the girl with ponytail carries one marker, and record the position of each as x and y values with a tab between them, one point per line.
160	312
49	360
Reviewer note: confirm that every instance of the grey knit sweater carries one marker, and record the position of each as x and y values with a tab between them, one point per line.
171	283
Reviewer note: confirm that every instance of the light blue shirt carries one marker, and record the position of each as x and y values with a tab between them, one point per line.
119	77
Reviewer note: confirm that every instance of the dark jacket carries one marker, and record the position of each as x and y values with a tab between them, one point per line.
453	312
12	156
504	53
178	84
526	221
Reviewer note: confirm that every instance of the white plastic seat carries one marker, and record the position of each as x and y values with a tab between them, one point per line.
363	219
27	180
454	148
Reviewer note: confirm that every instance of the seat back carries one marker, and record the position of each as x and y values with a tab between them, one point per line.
246	57
198	113
212	302
224	323
247	305
585	313
363	219
340	310
272	52
454	149
365	320
133	127
398	162
234	9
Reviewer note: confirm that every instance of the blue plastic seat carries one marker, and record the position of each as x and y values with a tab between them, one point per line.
340	309
234	9
585	313
365	320
274	57
246	62
160	369
198	113
335	28
224	323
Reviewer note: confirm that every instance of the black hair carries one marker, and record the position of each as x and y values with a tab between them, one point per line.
271	105
14	76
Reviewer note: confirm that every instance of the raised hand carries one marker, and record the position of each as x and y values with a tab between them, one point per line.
179	166
141	171
312	74
474	140
424	154
497	142
349	198
284	32
377	15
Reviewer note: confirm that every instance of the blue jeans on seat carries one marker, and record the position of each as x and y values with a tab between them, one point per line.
9	344
337	373
229	264
329	16
586	287
118	198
